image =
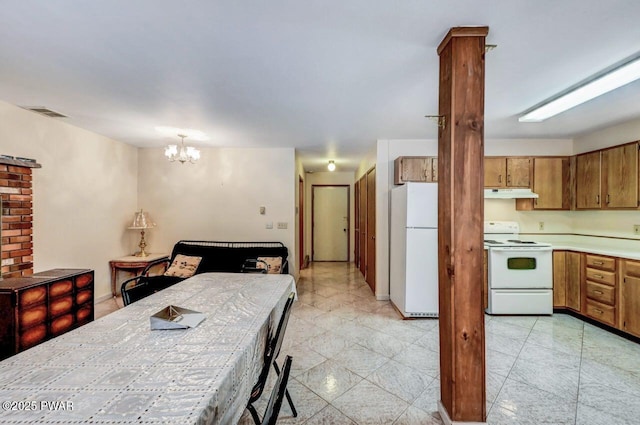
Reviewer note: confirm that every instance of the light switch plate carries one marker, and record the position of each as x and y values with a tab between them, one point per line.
282	225
636	229
269	225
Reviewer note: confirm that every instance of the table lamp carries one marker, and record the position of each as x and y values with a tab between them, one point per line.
141	221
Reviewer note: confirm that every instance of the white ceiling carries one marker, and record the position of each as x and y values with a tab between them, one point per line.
328	77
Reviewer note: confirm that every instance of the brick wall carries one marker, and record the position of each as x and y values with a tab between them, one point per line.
17	220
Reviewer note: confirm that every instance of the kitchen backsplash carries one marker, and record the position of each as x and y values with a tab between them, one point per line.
598	223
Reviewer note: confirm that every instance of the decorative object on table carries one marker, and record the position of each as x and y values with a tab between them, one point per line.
183	266
173	317
142	222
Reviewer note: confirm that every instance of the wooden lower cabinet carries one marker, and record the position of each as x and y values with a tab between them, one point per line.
600	283
43	306
630	297
574	281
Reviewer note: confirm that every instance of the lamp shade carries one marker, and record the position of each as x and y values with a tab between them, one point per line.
141	220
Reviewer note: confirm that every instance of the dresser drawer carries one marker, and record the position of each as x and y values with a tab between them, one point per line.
601	276
61	324
32	316
632	268
602	293
84	296
602	263
84	280
32	296
84	314
602	312
32	336
60	306
62	287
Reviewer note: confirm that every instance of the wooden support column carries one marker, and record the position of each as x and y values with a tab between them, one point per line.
460	225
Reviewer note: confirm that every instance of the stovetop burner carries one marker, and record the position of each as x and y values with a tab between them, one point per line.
491	241
521	242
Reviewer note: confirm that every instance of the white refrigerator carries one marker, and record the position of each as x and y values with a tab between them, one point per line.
413	282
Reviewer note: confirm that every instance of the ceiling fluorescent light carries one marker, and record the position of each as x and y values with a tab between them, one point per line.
612	80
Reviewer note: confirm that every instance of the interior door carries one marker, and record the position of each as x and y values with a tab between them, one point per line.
301	222
330	223
370	275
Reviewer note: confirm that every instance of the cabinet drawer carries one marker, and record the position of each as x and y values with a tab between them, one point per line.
32	316
62	287
602	293
61	324
602	263
60	306
84	314
32	296
84	280
602	312
632	268
32	336
84	296
601	276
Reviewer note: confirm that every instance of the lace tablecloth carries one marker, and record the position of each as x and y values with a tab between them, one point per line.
117	371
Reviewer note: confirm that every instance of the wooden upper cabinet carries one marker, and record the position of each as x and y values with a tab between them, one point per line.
507	172
551	183
588	181
518	172
415	169
620	176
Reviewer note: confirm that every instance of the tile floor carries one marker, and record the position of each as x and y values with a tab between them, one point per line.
357	362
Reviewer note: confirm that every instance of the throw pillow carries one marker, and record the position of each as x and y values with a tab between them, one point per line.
183	266
274	264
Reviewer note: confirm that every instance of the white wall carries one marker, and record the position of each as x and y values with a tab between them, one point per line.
329	178
219	197
611	136
83	196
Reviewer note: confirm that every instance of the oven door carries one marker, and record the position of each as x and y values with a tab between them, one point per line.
521	267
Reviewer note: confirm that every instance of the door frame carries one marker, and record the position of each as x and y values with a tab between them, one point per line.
301	222
313	226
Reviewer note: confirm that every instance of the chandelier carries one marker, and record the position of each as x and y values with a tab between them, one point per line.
182	154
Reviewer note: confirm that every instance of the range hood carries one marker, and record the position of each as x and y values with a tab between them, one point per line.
509	194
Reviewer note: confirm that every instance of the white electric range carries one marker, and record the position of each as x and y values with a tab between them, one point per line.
520	272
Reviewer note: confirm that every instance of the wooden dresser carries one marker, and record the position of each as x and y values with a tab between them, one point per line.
47	304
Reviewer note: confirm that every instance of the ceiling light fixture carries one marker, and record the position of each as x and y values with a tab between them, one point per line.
185	154
331	166
599	85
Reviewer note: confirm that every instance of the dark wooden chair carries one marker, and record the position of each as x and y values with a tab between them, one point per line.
272	349
277	394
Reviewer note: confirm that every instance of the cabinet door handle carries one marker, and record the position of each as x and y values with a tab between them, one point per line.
535	201
608	199
599	263
598	292
599	276
499	178
598	311
598	199
508	178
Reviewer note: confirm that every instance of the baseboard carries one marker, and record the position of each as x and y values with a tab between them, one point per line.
102	298
382	297
446	420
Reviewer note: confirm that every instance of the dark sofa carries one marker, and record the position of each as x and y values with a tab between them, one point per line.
216	256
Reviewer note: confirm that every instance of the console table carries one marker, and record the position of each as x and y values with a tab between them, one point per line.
133	264
42	306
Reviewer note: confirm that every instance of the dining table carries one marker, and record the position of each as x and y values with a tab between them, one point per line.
117	370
